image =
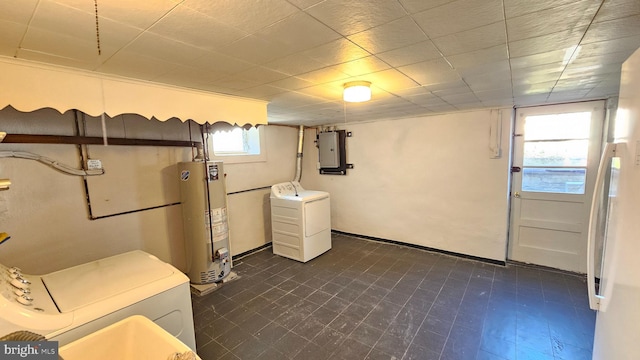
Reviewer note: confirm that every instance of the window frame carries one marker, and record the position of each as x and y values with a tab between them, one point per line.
237	158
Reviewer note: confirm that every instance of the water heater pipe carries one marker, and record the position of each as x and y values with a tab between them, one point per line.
299	155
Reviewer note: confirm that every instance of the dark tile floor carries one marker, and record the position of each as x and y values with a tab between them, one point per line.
372	300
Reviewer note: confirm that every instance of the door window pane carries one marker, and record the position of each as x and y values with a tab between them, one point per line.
554	180
556	153
557	126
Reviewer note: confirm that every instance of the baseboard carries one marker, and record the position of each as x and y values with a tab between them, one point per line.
425	248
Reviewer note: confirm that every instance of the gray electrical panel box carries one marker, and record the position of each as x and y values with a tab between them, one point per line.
329	150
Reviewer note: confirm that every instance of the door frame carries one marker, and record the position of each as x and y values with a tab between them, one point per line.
590	176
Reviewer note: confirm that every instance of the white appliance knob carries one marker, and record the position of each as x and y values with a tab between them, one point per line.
25	300
21	292
20	283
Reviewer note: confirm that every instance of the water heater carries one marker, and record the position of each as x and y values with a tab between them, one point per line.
204	214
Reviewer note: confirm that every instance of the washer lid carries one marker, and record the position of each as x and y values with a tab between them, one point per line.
306	195
88	283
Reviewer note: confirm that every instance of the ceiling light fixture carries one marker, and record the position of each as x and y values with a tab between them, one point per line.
357	91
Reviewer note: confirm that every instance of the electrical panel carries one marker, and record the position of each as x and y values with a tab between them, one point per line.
329	149
332	152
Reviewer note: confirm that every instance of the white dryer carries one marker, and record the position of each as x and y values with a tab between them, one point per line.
69	304
300	221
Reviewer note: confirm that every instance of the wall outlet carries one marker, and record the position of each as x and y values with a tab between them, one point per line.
94	164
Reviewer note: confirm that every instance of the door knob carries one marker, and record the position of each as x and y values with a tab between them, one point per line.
517	194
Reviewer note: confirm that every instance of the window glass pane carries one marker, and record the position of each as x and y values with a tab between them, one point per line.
558	126
557	180
228	141
556	153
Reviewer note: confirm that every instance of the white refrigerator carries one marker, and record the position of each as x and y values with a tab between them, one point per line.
616	217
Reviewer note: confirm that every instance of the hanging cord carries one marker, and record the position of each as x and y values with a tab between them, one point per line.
50	162
95	3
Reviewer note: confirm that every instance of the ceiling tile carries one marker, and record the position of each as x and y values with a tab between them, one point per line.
292	83
513	8
576	14
625	45
194	28
140	14
414	6
248	15
336	52
294	100
456	83
169	50
189	77
256	50
214	61
457	16
64	21
479	60
18	14
392	35
264	92
501	94
350	17
542	88
430	72
391	80
411	54
613	29
12	33
131	64
295	64
613	9
54	48
530	100
466	41
261	75
329	92
324	75
299	32
363	66
303	4
489	81
538	59
562	40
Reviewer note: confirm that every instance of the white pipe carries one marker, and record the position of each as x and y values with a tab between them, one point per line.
299	155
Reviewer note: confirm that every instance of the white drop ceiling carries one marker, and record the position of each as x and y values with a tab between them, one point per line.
421	56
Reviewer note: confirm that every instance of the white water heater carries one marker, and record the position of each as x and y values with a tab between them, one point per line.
204	215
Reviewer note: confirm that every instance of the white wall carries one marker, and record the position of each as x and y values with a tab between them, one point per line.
427	181
46	214
249	212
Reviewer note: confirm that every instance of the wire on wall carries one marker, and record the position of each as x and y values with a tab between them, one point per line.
66	169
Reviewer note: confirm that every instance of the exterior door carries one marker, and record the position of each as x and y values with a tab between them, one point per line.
555	161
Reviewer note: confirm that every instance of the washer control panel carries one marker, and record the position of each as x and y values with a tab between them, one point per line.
25	291
289	188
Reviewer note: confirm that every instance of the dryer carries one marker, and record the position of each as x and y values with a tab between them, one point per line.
71	303
300	221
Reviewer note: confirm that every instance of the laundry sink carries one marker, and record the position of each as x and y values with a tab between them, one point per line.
135	337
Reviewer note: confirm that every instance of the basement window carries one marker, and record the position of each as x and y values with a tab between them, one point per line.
238	145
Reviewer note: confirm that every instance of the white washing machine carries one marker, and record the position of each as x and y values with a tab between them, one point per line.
300	221
68	304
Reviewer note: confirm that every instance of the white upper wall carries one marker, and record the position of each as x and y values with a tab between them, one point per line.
428	181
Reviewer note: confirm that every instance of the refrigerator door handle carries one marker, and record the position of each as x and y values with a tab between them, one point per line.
607	154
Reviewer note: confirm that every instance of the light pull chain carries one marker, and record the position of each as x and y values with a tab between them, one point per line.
95	2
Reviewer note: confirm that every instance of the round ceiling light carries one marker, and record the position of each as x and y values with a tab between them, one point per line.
357	91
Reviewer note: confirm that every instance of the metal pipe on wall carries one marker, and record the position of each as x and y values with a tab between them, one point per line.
299	154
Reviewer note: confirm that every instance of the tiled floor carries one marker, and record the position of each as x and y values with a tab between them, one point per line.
372	300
